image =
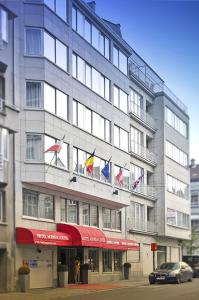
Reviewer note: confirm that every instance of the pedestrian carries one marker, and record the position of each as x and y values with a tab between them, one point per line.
77	270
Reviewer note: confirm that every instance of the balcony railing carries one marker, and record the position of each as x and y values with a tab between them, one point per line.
146	190
139	69
143	152
140	113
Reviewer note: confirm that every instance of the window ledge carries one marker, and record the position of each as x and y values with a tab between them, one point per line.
37	219
179	227
3	223
112	230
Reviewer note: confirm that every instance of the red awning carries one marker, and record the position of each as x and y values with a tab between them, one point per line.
121	244
83	235
42	237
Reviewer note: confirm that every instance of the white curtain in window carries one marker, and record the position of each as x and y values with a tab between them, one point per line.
33	94
33	41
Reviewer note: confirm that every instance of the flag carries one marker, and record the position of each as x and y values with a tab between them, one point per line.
119	176
90	162
106	170
56	148
136	183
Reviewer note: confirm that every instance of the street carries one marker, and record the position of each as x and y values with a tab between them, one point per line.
185	291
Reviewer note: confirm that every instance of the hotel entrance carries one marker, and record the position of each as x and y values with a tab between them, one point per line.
67	257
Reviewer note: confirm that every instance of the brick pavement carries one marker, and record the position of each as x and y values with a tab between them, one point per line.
72	290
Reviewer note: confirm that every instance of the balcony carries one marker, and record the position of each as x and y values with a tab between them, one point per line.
140	151
145	75
146	191
141	115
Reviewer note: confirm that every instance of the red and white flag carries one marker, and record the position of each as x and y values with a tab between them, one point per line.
119	177
56	148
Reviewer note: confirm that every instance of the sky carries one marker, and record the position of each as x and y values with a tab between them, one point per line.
165	34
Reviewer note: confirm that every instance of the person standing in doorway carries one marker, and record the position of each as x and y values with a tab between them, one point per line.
77	270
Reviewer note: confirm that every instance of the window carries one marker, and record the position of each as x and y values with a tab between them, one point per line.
124	179
49	47
4	143
39	94
58	159
33	94
135	104
176	154
41	43
49	98
177	218
4	24
38	205
93	259
177	187
34	147
111	218
2	87
59	7
89	214
90	77
176	122
33	41
69	211
61	55
120	60
120	99
121	138
117	261
107	260
79	158
90	33
136	141
2	207
91	121
194	200
137	216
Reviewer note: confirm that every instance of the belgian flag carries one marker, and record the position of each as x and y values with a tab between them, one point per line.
90	162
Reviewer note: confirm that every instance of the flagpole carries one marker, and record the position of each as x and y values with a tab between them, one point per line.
50	162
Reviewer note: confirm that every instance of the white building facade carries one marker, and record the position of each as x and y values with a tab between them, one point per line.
75	77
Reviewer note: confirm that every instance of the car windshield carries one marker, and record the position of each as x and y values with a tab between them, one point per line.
169	266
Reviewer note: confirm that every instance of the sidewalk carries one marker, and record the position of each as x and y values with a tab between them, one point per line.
73	290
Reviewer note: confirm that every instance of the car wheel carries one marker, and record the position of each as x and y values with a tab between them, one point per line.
151	282
191	278
178	279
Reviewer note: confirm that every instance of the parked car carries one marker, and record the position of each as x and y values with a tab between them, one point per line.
172	272
193	262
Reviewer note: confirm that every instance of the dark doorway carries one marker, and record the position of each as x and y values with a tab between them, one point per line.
67	256
2	270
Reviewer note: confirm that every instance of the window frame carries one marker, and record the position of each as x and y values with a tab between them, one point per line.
39	201
42	50
92	26
4	39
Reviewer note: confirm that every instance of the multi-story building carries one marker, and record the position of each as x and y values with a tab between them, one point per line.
73	77
194	172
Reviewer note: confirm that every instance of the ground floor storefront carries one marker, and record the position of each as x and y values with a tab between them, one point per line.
43	251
